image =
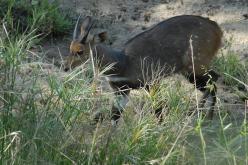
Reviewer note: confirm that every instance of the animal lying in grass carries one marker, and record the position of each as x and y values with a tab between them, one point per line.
167	47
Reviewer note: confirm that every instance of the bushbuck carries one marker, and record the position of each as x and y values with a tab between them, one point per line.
167	47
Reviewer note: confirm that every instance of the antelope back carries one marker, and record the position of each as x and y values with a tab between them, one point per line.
168	44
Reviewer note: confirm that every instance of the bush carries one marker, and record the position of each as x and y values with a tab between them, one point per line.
24	15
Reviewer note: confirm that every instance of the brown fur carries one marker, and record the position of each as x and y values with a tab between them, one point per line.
164	47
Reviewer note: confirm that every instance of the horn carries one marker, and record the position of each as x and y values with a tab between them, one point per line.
86	35
75	29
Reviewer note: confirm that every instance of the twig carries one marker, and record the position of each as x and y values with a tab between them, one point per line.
193	67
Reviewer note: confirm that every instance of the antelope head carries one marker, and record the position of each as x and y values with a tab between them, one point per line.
80	45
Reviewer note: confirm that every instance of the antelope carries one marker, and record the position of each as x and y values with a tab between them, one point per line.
169	44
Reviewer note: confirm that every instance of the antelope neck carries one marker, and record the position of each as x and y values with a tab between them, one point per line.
106	56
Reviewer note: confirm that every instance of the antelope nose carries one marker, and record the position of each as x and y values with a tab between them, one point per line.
66	69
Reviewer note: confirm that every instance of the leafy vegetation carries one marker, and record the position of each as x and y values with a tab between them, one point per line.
24	15
235	73
46	116
231	65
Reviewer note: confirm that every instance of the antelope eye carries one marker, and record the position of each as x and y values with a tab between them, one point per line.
80	52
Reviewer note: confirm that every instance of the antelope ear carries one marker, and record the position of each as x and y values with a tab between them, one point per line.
100	37
85	26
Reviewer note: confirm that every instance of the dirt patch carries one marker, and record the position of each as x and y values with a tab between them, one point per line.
125	19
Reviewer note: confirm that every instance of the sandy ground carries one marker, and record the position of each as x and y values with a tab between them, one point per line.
123	19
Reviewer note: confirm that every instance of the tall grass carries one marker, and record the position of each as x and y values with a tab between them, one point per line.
39	110
46	118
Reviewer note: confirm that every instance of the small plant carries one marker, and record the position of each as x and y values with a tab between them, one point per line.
231	65
48	18
234	72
